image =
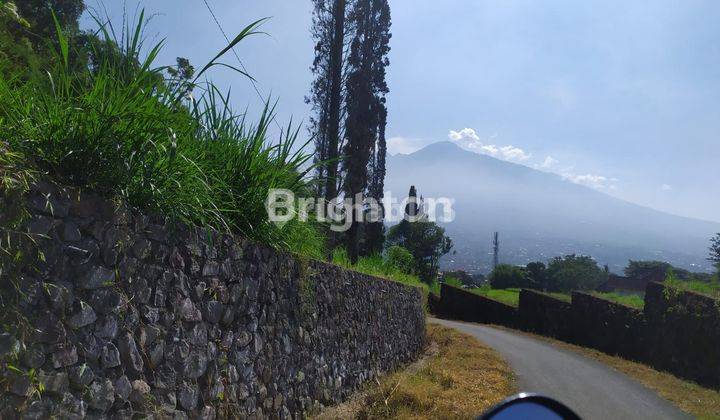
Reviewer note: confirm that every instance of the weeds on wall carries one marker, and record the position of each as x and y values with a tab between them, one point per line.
379	266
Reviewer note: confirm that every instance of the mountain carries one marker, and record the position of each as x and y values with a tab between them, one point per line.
540	215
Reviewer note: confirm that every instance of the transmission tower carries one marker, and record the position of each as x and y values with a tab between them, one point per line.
496	250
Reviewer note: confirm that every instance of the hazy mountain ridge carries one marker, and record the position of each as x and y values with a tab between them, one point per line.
540	215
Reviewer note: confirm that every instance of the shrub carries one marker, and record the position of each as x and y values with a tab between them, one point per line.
574	272
376	265
452	281
400	258
506	276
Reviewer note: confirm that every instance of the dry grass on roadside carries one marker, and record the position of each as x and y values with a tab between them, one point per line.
690	397
458	378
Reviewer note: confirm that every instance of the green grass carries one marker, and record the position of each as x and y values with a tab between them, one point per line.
711	288
377	266
121	129
507	296
635	301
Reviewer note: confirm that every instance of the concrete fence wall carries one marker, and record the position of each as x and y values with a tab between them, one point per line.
678	331
545	315
460	304
130	314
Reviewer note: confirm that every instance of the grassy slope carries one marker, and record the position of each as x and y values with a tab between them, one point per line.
635	301
707	288
507	296
511	296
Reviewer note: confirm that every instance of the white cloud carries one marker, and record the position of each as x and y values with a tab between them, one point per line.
666	187
466	134
549	162
468	138
597	182
404	145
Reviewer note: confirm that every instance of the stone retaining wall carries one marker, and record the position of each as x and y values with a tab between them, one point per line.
132	314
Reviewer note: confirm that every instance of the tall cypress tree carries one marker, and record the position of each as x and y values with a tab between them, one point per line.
329	30
366	90
375	230
715	251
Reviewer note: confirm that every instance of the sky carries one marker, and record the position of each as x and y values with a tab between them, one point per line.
623	97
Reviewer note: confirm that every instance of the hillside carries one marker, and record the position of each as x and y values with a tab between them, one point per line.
540	215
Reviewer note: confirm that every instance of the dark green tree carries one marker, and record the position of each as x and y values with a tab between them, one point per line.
28	34
537	275
374	237
365	102
642	269
574	272
715	251
425	240
505	276
330	30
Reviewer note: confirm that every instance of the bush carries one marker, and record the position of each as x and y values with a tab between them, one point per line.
506	276
452	281
121	129
709	288
376	265
574	273
400	258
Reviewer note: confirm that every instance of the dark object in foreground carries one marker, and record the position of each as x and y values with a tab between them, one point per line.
530	406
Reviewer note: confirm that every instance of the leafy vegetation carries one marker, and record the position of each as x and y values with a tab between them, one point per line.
506	276
715	251
120	128
574	272
563	274
711	288
400	258
379	266
425	240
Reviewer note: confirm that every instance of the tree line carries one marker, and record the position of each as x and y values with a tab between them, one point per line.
573	272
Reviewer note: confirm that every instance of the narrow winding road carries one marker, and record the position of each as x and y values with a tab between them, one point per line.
592	389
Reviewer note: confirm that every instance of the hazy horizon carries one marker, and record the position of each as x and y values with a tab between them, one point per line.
541	169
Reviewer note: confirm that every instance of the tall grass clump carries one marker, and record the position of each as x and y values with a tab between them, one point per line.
119	127
378	266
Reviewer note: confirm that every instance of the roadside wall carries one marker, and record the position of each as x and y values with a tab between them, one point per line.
607	326
133	314
677	331
460	304
545	315
683	333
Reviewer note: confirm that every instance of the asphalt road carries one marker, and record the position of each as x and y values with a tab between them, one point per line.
590	388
